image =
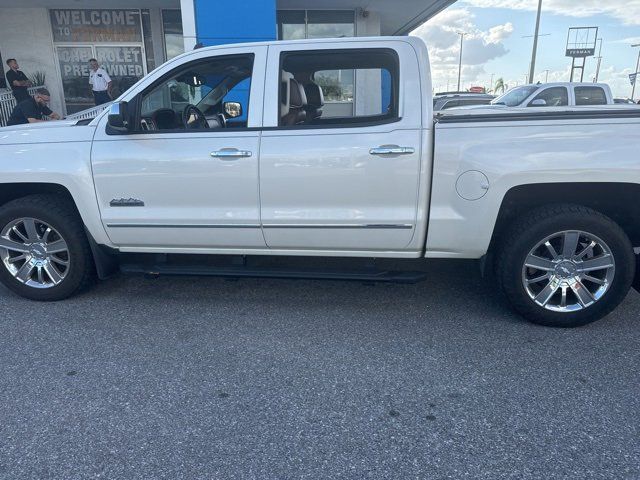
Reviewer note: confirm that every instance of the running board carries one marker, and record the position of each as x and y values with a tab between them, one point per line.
367	275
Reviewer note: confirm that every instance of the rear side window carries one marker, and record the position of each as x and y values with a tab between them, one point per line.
590	96
553	97
338	87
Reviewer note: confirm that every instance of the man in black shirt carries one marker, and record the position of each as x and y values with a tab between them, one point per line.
18	81
33	109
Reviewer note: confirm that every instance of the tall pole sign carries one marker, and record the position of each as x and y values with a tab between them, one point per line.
532	68
462	34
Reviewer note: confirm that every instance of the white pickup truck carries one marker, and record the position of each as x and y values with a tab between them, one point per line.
559	94
231	152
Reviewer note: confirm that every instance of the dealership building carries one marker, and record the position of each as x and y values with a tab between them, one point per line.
54	39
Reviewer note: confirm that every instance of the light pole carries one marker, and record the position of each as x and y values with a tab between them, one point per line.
546	77
491	84
595	80
532	69
633	90
462	34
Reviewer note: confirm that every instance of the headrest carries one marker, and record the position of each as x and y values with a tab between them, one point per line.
315	97
298	98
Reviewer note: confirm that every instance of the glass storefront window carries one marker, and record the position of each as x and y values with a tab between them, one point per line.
292	24
330	24
299	24
172	32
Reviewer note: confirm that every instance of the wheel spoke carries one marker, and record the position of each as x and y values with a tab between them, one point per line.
584	295
599	263
552	250
25	272
45	236
538	279
546	293
30	228
53	274
56	247
13	246
563	299
58	260
19	233
587	249
540	263
570	244
595	280
40	275
22	256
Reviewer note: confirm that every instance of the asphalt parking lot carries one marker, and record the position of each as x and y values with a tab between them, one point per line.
205	378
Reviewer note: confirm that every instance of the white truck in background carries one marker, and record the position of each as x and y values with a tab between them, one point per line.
228	152
559	94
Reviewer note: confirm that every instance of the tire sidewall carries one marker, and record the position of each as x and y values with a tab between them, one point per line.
599	226
77	256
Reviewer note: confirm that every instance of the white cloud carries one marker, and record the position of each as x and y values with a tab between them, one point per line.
627	11
443	41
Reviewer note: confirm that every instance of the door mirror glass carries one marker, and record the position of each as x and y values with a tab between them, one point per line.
117	120
538	102
232	109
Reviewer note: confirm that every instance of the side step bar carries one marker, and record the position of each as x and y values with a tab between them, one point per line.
367	275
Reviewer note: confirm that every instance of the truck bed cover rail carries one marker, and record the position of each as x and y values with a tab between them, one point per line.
555	115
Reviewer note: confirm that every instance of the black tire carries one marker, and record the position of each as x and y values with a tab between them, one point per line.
523	235
60	214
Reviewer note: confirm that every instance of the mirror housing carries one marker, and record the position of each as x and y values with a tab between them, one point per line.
118	120
538	102
232	109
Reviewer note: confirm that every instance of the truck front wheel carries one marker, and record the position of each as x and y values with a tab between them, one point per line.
44	252
565	265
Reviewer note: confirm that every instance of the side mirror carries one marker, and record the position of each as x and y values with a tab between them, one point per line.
117	121
232	109
538	102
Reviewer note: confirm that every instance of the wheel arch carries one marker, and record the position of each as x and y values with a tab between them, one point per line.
103	256
616	200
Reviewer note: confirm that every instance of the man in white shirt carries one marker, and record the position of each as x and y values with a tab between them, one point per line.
100	83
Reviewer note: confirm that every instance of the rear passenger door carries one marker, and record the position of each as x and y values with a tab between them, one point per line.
341	148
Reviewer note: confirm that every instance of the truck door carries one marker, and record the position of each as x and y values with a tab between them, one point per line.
340	154
186	176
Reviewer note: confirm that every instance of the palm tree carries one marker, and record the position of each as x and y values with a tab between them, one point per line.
499	86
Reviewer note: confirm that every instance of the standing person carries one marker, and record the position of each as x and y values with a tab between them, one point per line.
100	83
33	109
18	81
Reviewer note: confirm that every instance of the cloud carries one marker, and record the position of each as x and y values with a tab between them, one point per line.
627	11
480	46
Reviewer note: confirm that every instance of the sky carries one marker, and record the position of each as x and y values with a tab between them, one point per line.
495	45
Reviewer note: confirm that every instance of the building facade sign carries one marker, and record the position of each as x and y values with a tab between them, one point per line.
89	26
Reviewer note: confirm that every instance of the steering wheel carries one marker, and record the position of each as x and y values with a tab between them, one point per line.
193	118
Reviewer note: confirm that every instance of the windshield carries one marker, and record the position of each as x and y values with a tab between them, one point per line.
515	96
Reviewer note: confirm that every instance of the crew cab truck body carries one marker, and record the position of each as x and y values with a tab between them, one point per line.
234	151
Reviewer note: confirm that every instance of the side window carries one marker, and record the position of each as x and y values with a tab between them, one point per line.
338	87
590	96
553	97
451	104
207	94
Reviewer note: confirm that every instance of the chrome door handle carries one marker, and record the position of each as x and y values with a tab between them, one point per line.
230	153
391	150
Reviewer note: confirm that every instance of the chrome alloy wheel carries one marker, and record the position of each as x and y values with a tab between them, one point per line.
568	271
34	253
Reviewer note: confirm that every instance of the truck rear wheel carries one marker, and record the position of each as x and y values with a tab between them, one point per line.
565	265
44	252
